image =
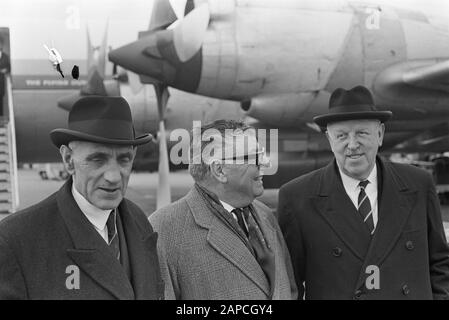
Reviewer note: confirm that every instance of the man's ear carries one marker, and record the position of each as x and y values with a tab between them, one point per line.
216	170
67	158
381	133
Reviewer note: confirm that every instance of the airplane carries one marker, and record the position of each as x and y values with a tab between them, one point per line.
232	58
82	33
281	60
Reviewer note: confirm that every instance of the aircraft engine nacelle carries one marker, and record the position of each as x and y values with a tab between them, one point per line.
279	110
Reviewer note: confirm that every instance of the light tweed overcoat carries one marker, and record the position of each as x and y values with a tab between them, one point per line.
201	258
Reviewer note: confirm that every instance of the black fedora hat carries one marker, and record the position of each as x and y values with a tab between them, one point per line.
353	104
99	119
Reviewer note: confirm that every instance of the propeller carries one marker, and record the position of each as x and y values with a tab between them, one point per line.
175	36
159	54
188	35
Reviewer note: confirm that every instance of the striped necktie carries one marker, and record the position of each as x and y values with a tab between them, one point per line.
113	240
364	207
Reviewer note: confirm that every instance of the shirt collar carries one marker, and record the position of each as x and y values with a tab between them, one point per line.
353	184
96	216
227	206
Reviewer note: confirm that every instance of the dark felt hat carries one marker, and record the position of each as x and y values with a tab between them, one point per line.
353	104
99	119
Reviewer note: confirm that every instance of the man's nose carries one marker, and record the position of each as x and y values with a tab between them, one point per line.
112	173
353	143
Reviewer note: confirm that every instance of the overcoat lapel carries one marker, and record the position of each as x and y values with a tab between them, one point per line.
225	242
395	205
337	209
142	255
90	252
269	234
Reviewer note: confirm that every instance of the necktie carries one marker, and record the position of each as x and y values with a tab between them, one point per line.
262	252
113	240
242	218
365	209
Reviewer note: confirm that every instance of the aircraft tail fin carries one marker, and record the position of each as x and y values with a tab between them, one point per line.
96	83
96	55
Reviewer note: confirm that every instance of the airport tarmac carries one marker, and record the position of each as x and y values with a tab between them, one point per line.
142	189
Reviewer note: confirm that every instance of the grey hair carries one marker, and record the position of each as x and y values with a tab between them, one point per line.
201	171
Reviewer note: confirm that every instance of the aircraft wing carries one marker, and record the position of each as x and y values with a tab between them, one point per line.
436	139
408	76
433	77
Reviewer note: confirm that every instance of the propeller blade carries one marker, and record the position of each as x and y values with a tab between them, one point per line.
190	32
178	7
162	15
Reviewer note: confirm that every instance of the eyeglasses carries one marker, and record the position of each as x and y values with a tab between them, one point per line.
259	159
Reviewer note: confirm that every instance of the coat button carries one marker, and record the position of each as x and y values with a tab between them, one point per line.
409	245
337	252
358	294
405	289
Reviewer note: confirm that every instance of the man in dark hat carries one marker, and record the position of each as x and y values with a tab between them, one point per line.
85	241
362	227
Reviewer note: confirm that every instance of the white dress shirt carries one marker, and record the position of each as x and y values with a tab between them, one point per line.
352	189
229	208
96	216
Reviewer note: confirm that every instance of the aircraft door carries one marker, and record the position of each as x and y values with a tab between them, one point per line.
5	67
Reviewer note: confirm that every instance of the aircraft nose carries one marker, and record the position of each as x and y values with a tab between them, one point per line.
155	56
172	56
136	56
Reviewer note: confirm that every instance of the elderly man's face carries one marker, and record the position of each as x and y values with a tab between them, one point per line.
245	181
355	144
100	172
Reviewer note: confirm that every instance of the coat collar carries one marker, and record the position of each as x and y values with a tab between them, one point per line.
225	242
91	254
142	255
337	209
396	200
396	203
